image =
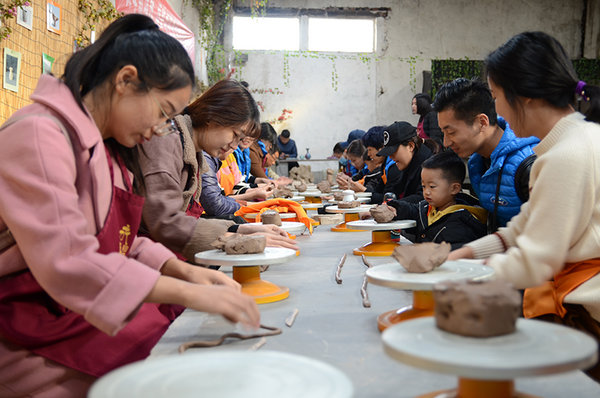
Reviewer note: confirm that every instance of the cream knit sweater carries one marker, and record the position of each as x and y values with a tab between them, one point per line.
561	221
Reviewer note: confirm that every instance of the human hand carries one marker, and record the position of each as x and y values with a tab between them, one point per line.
342	180
199	275
207	276
276	237
283	181
463	252
233	305
261	180
356	186
260	193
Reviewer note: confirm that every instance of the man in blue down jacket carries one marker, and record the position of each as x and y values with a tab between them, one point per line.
499	162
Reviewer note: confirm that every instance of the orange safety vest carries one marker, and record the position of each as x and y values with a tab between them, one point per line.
548	297
279	205
229	175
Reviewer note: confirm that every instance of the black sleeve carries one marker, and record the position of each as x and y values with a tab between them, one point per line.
405	210
432	128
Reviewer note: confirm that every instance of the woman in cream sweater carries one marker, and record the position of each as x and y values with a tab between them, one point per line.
552	247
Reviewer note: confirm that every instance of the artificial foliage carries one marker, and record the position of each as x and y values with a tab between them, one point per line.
8	10
93	13
445	70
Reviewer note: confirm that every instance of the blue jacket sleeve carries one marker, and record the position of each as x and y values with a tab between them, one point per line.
294	152
212	199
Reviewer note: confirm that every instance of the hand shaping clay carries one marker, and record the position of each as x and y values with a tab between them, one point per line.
421	257
300	186
383	213
240	244
271	217
282	192
476	309
348	205
338	196
324	187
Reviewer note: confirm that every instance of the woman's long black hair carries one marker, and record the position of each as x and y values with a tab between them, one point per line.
134	39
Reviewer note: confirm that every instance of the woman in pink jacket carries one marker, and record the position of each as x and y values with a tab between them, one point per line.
79	292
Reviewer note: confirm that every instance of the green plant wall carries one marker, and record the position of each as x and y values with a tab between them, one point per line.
445	70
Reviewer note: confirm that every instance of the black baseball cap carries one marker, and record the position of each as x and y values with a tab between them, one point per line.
394	135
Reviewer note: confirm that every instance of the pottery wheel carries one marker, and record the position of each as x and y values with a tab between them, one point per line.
358	209
535	348
372	225
225	375
271	255
395	276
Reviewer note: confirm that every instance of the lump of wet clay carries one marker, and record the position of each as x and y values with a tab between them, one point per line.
338	196
301	173
476	309
282	192
240	244
421	257
383	213
271	217
331	176
299	185
348	205
324	187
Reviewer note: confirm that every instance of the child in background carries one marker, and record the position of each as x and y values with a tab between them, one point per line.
446	214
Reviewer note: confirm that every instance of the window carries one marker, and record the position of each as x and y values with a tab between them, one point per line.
265	33
343	35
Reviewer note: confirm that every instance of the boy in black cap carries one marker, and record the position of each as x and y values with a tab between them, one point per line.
446	214
406	149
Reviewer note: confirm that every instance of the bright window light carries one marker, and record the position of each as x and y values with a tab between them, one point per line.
341	35
263	33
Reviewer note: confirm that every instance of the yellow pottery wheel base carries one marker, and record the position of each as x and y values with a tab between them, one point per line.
423	305
265	292
341	227
471	388
262	291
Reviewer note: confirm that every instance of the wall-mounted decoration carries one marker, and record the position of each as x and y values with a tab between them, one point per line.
25	16
53	17
12	69
47	62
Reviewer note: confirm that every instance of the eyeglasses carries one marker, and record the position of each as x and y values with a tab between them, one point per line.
247	140
168	127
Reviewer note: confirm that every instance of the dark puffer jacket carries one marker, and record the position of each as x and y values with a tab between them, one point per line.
457	228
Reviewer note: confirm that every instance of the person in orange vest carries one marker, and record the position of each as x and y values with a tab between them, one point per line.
214	198
551	247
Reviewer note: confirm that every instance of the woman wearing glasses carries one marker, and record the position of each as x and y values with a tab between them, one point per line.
77	287
174	165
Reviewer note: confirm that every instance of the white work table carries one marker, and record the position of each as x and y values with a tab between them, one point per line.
334	327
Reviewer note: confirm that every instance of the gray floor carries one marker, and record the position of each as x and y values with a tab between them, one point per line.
333	326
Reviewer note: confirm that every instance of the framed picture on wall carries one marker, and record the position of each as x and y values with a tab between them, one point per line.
53	17
25	16
47	62
12	69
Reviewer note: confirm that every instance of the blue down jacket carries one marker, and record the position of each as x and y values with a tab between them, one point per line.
511	151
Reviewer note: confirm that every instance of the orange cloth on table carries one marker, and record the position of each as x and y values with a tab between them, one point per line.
229	175
548	297
279	205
